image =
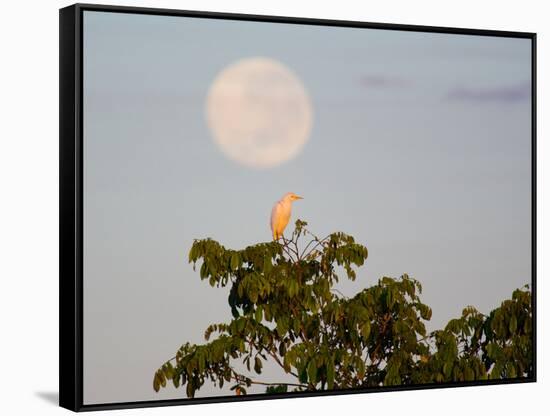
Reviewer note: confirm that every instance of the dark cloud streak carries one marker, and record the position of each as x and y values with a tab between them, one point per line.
382	81
505	94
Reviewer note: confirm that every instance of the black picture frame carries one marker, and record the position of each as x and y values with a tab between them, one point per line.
71	200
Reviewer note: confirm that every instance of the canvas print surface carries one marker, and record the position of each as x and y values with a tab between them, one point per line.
275	207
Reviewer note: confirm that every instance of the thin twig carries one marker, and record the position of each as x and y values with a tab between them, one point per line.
315	246
286	248
287	245
306	247
340	293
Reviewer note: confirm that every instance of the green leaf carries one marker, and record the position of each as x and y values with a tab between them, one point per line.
202	361
168	370
235	261
258	314
176	380
204	270
253	294
257	365
302	375
330	374
162	379
360	369
365	330
282	326
241	324
282	349
267	264
312	371
496	371
513	324
511	370
189	390
389	298
447	368
281	388
193	254
156	383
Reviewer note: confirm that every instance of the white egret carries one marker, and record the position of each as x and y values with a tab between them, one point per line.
280	214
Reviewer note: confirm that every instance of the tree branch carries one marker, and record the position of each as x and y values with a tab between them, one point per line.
318	242
241	378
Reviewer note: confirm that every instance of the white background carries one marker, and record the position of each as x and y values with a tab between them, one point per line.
29	205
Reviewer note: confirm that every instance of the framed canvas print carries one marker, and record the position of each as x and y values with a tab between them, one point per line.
258	207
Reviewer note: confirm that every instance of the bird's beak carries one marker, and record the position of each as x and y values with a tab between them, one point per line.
298	197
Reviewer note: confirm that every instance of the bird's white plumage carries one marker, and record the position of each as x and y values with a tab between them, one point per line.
280	214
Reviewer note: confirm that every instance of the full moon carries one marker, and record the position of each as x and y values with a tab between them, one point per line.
259	112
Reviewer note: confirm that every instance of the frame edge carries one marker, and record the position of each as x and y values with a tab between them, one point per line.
70	305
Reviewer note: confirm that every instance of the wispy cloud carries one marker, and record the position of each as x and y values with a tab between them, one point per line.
382	81
508	94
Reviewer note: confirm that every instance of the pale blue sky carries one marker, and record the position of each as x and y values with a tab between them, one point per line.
420	148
